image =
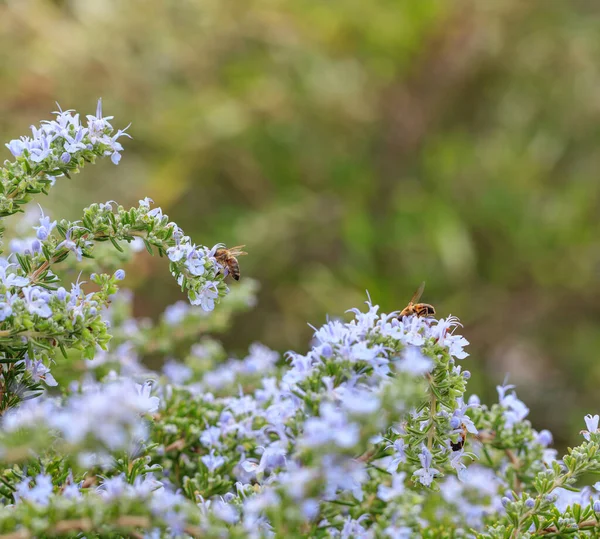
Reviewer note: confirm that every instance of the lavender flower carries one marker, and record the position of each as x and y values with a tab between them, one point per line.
331	426
10	280
426	473
386	493
69	244
212	461
36	300
414	362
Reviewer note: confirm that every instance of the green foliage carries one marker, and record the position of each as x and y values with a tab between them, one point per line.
451	142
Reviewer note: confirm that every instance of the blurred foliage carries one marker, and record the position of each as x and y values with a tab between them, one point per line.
353	148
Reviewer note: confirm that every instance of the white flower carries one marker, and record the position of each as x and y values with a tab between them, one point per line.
591	423
146	403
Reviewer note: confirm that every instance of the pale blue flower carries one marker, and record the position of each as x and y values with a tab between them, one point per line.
333	332
16	147
358	401
36	300
592	422
145	401
353	528
310	509
331	426
72	491
458	465
97	124
515	410
178	252
11	279
211	437
397	488
273	456
39	371
177	372
116	147
113	487
75	144
212	461
459	416
544	438
39	494
344	475
195	262
41	150
5	306
261	359
426	473
69	244
225	511
363	323
22	489
45	228
207	295
399	456
414	362
174	314
399	532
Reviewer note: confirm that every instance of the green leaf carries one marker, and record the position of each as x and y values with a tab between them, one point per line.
116	245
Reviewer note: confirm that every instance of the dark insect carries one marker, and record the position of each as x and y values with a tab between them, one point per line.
460	443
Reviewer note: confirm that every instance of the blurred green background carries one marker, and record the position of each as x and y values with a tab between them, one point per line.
352	146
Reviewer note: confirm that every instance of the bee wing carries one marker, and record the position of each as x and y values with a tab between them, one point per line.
237	251
417	295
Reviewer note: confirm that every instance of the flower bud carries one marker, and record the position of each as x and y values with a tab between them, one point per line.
326	350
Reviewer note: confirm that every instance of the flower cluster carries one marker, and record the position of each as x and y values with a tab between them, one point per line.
368	434
41	318
88	418
56	148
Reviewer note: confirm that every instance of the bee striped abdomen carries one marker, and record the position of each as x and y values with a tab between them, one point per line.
234	268
424	309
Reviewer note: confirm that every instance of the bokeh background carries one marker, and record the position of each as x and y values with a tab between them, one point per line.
352	146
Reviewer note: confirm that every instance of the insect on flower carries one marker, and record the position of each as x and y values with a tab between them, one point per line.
418	309
228	259
462	438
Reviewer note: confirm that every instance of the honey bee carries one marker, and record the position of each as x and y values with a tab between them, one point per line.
418	309
228	259
462	438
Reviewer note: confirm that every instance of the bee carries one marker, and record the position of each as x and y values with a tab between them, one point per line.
462	438
228	259
418	309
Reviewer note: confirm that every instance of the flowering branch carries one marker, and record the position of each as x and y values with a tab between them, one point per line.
57	148
370	433
38	317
